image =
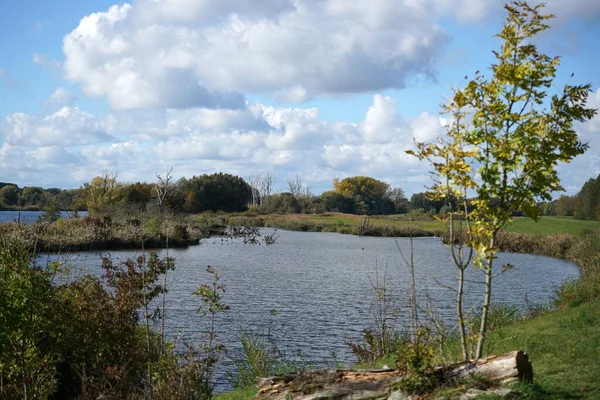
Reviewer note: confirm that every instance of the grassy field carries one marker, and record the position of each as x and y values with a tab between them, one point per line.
551	225
545	226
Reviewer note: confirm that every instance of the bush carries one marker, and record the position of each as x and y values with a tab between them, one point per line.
82	338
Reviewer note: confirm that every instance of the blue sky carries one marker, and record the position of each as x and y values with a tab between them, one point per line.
315	88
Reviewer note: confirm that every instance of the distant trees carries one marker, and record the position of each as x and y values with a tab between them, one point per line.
215	192
9	195
32	196
587	201
261	185
370	194
103	193
564	206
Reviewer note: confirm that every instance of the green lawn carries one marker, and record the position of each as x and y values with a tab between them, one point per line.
551	225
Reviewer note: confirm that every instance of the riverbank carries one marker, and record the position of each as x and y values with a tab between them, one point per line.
563	346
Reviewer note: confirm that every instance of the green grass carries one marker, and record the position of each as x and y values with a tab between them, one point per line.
564	348
551	226
238	394
545	226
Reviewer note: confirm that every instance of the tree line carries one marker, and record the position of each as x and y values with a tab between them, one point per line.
361	195
105	194
583	205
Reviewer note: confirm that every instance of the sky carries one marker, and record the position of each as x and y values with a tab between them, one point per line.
310	88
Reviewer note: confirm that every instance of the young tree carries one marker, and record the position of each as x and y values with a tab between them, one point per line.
506	139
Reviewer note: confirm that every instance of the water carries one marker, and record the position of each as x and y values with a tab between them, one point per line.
320	286
29	217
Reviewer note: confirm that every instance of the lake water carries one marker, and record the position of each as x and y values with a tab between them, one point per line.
29	217
320	286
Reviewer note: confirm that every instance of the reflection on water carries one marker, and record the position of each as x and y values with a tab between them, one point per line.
319	285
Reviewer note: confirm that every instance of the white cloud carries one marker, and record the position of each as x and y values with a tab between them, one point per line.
60	98
258	138
54	155
584	9
381	123
46	62
66	127
184	53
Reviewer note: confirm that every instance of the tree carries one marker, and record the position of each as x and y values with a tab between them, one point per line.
137	195
506	139
9	195
370	193
587	201
164	188
262	185
103	192
216	192
337	202
32	196
397	196
301	193
565	206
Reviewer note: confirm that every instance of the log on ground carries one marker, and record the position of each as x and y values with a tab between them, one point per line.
381	383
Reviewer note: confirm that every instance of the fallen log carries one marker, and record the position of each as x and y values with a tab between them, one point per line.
509	367
330	384
381	383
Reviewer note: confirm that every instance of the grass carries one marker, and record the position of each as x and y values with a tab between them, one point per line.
551	226
238	394
564	347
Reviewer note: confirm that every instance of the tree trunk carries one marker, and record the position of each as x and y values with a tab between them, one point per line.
486	301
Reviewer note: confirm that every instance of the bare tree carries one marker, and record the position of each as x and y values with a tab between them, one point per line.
254	182
163	187
262	185
295	186
268	184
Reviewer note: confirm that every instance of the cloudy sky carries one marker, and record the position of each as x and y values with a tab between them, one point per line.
318	88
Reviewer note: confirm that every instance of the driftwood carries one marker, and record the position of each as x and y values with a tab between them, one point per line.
380	383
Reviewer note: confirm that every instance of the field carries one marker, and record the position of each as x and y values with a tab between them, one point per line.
552	225
545	226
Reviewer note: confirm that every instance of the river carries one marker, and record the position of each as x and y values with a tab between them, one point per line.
320	285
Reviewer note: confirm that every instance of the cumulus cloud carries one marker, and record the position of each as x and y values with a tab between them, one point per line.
258	138
188	53
66	127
